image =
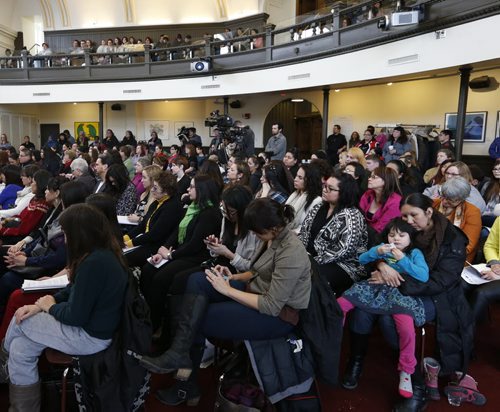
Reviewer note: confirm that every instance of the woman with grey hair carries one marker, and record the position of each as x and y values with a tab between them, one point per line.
452	203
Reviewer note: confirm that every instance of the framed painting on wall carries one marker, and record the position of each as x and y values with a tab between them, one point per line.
158	126
475	125
497	129
91	129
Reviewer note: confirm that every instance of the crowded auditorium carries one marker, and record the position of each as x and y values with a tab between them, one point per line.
279	205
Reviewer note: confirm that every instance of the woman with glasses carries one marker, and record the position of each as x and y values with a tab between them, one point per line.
159	222
380	203
441	156
185	247
369	144
335	233
491	195
452	204
456	169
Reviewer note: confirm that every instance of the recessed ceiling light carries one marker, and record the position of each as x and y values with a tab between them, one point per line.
389	84
337	90
166	101
297	100
75	104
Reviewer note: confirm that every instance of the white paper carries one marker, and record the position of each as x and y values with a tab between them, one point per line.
159	264
129	249
472	274
52	283
123	220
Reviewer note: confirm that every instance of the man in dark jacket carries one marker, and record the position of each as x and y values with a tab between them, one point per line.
335	143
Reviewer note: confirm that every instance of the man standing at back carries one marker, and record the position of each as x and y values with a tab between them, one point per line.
335	143
276	145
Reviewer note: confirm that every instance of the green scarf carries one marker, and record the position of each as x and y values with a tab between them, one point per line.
192	211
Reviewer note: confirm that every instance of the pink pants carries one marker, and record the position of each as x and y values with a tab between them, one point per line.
406	332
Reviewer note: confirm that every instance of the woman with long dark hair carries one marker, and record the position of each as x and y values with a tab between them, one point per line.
185	246
307	194
380	203
224	305
491	195
443	246
121	188
335	233
79	320
32	215
396	145
276	182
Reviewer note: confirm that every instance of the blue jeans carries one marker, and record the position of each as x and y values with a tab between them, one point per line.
228	319
26	341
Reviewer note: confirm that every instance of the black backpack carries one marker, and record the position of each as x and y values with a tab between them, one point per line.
113	380
321	326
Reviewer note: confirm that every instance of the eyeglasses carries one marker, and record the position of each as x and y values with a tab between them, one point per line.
496	169
329	189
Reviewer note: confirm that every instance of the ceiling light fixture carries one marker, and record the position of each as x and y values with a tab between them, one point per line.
297	100
389	84
337	90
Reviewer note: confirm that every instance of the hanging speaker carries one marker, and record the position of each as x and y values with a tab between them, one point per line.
480	83
235	104
116	107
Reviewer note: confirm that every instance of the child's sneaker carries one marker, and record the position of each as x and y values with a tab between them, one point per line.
405	387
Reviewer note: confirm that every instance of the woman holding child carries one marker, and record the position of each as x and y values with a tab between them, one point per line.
443	246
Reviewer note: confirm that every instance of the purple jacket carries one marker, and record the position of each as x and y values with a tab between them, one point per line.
388	211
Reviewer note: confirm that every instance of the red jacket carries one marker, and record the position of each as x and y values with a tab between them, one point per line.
30	217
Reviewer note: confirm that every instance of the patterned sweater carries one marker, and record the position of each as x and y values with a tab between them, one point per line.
341	240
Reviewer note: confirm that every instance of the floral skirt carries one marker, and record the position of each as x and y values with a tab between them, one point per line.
385	300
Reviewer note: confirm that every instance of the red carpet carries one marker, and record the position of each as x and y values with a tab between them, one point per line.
377	390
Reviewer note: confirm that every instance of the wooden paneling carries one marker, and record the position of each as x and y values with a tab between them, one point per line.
302	125
61	40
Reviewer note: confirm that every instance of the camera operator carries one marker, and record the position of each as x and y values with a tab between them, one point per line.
193	138
247	138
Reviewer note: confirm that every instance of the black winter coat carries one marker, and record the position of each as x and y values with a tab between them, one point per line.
454	319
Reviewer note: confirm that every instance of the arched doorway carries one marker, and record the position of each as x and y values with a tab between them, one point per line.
302	125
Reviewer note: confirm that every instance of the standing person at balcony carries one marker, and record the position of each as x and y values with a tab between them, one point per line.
335	143
276	145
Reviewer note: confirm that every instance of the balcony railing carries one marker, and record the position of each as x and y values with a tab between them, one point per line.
316	37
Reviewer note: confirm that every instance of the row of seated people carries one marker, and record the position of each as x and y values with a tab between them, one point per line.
257	240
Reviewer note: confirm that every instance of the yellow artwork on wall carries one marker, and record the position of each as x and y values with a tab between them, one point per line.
91	129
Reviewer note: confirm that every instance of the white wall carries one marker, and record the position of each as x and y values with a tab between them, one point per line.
458	48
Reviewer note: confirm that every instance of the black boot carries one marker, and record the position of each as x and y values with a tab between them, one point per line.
359	345
177	358
184	392
417	403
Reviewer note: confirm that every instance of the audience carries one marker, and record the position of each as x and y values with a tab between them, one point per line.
189	218
307	194
380	203
335	233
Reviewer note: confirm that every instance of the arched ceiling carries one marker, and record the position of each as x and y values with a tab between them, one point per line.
76	14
